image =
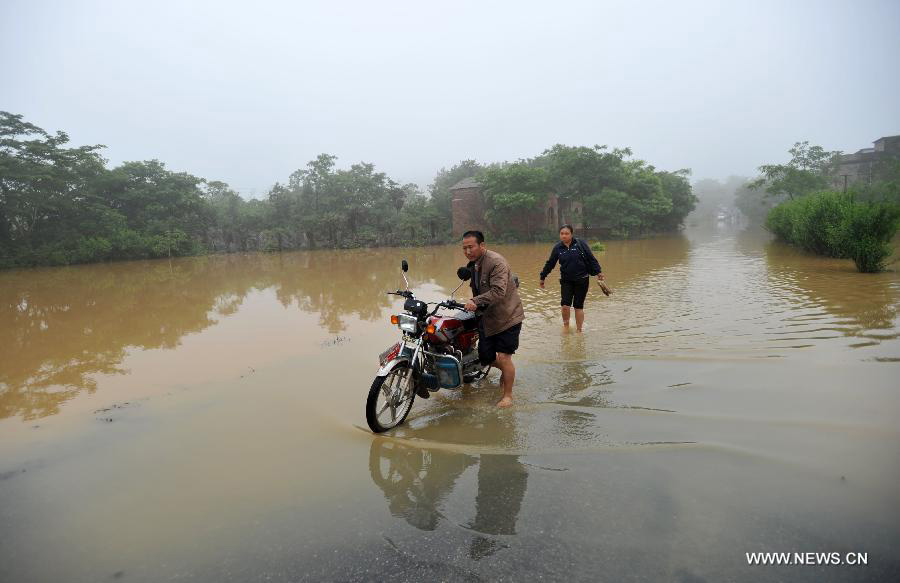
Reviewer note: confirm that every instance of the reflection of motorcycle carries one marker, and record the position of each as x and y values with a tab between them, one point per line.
415	481
434	352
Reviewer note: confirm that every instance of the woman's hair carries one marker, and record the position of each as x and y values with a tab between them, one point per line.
571	230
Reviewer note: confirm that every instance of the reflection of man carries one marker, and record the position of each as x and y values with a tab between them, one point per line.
502	480
416	482
494	291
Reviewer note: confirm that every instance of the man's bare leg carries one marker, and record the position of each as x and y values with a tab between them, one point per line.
565	316
579	319
507	377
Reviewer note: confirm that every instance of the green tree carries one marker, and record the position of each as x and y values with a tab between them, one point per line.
807	172
513	196
578	172
47	193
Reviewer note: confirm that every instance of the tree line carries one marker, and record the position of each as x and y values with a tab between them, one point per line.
63	205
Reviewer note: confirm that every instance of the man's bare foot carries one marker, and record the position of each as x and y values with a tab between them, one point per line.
505	402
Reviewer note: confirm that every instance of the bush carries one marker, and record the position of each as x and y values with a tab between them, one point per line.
597	246
90	249
780	222
865	233
832	224
816	219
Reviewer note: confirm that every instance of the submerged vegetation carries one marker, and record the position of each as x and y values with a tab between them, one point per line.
62	205
835	225
856	224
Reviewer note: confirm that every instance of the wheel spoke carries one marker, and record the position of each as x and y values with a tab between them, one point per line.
407	377
387	386
396	390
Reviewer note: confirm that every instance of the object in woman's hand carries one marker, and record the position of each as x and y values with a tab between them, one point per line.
604	288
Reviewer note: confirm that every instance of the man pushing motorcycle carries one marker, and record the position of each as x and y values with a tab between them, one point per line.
494	293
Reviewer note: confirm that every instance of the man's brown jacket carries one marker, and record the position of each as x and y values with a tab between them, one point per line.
497	294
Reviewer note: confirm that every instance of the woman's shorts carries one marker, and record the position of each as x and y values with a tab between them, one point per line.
574	292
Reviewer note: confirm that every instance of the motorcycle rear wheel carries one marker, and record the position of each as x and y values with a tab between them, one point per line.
390	399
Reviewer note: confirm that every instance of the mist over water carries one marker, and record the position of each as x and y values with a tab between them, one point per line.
203	417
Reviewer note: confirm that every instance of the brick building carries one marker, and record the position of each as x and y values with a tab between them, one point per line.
863	164
468	211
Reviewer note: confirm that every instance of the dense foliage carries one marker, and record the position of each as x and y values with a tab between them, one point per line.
858	224
627	197
63	205
835	225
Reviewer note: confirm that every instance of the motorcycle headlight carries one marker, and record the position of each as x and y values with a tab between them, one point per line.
407	323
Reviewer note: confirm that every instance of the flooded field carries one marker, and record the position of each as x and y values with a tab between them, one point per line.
202	419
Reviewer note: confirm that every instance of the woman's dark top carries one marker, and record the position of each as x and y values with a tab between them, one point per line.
575	261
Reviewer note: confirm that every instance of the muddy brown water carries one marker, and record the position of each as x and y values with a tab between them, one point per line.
202	419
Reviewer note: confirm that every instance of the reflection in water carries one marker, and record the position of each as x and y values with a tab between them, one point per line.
416	483
704	293
61	327
591	439
337	283
835	298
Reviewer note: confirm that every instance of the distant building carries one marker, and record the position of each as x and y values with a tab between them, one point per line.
468	207
863	164
468	211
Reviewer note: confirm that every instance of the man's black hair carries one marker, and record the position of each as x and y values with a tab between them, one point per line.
571	230
479	236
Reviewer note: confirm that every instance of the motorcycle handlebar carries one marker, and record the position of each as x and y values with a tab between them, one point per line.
445	304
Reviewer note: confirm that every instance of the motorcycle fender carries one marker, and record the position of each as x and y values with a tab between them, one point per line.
405	355
392	364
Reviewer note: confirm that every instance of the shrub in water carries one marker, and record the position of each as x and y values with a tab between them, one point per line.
865	232
832	224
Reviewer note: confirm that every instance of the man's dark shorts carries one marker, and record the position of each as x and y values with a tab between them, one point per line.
506	342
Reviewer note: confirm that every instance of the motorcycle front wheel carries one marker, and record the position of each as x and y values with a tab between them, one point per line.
390	399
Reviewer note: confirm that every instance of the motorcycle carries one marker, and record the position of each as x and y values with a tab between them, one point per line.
435	351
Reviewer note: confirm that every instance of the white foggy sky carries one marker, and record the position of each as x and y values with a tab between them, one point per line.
248	92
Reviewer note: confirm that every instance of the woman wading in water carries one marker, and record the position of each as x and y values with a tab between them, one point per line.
576	266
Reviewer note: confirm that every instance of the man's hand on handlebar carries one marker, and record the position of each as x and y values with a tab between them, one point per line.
470	306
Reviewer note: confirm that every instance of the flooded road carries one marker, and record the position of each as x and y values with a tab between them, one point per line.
202	419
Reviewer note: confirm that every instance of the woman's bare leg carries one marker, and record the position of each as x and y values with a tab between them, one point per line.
579	319
565	315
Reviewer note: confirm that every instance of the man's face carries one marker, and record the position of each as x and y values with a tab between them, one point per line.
472	248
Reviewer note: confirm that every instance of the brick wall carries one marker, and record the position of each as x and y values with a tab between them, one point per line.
468	211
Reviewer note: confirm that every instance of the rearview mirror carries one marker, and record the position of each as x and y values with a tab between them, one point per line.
404	266
464	273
